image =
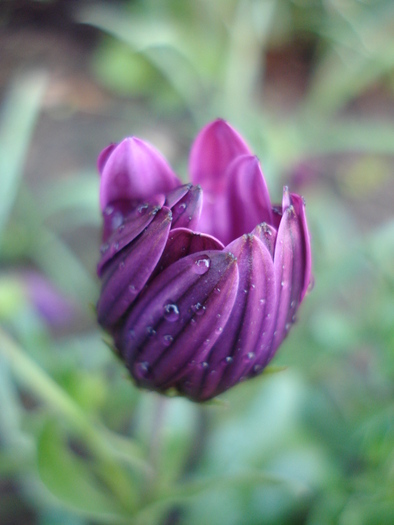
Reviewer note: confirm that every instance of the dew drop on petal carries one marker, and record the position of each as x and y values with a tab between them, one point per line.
108	210
198	308
121	265
182	207
171	312
150	331
104	248
229	359
204	364
167	339
202	265
132	288
257	368
142	209
141	370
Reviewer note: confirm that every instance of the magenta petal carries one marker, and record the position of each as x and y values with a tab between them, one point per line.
133	171
176	195
292	265
127	273
136	221
213	150
104	156
182	242
246	337
267	235
247	196
186	213
176	318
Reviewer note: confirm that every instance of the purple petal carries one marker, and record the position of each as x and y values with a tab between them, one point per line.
128	272
176	195
247	196
133	171
267	235
176	319
134	224
186	212
104	155
292	265
245	339
182	242
214	148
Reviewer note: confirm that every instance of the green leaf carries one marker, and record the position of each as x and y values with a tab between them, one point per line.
19	115
70	478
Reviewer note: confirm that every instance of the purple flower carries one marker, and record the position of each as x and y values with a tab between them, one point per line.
200	282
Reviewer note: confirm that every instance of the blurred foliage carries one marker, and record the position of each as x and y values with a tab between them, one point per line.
310	445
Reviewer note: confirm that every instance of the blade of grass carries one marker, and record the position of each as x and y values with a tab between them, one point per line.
19	116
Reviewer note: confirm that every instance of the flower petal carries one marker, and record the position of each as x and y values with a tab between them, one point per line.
245	339
247	196
292	264
133	171
267	235
182	242
127	273
176	318
134	224
186	212
215	147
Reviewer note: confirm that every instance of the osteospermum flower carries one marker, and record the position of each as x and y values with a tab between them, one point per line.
200	282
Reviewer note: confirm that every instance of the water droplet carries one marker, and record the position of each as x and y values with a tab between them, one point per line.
216	290
141	370
202	265
142	209
167	340
117	220
218	316
287	326
262	301
206	342
204	364
150	331
198	309
268	316
311	284
121	228
229	359
182	207
104	248
122	264
252	286
116	246
292	304
108	210
282	284
250	355
245	290
219	330
171	312
257	368
132	288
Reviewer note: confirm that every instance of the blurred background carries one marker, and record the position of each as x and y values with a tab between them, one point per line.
310	85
